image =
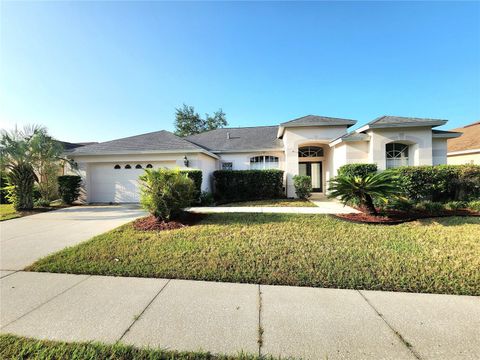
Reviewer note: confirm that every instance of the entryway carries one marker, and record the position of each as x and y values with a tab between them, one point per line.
315	171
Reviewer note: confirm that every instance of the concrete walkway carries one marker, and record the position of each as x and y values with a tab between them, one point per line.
226	318
26	239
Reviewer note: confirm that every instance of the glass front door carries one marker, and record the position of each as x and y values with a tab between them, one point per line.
314	170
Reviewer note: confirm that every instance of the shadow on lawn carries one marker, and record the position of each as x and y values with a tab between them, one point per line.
246	218
451	220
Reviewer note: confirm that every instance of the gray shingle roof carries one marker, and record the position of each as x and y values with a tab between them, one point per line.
314	120
401	120
155	141
238	139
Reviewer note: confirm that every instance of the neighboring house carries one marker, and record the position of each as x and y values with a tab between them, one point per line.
466	149
312	145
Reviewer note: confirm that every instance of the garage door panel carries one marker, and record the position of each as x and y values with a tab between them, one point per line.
118	185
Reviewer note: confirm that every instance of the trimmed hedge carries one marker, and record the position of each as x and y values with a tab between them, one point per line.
196	176
440	183
245	185
359	169
69	188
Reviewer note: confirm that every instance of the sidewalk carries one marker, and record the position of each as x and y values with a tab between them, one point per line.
227	318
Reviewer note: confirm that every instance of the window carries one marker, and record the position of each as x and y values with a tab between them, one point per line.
149	166
117	167
310	151
263	162
128	166
227	166
138	166
396	154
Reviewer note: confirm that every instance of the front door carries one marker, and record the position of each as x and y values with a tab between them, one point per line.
314	170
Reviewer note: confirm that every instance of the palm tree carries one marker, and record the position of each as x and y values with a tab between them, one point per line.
364	189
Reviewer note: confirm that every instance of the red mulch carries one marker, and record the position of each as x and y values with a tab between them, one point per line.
151	223
393	217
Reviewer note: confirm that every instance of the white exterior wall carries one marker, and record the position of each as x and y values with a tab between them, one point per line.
208	165
419	139
241	161
439	151
295	137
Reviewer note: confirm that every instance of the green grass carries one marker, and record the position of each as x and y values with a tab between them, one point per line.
273	203
435	256
14	347
7	212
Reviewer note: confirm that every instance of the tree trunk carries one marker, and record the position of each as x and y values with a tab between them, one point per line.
369	204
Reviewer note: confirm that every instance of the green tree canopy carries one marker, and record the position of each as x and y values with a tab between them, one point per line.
189	122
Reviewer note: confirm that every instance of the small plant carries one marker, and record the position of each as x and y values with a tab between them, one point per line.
455	205
400	204
358	169
165	193
69	188
430	206
474	205
303	186
206	198
42	203
365	189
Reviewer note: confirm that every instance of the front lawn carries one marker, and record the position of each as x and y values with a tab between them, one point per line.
7	212
273	203
15	347
435	256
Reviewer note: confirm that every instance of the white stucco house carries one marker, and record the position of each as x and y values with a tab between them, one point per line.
311	145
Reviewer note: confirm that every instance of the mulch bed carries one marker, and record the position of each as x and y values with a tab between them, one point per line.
151	223
393	217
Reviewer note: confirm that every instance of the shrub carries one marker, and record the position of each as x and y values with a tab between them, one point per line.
42	203
244	185
365	189
3	190
474	205
165	192
69	188
430	206
455	205
303	186
440	182
359	169
206	198
400	204
196	176
21	179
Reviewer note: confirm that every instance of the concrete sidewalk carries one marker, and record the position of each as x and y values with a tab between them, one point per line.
309	323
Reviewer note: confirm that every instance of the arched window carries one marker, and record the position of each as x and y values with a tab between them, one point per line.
149	166
263	162
138	166
128	166
396	154
310	151
117	167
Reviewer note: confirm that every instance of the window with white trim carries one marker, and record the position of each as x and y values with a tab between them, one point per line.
263	162
396	155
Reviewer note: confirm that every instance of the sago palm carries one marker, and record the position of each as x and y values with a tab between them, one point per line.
364	189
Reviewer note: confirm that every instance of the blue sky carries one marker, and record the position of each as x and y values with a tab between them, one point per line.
95	71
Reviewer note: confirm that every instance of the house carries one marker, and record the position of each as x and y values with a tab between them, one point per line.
466	149
312	145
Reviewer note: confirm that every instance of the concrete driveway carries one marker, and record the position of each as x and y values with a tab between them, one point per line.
24	240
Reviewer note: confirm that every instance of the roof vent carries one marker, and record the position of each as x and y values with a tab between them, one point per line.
228	135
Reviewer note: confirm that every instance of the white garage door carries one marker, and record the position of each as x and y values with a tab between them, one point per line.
118	182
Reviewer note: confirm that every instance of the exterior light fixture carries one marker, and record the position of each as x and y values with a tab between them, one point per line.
185	161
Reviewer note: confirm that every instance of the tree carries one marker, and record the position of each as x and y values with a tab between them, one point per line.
364	189
188	122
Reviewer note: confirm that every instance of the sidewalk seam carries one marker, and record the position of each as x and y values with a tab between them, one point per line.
12	272
54	297
260	327
136	318
395	331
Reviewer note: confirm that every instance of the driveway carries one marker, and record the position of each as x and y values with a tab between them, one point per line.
24	240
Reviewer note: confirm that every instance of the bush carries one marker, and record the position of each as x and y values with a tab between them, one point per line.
400	204
358	169
3	190
42	203
303	186
455	205
69	188
474	205
439	183
165	192
206	198
21	179
196	176
244	185
430	206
